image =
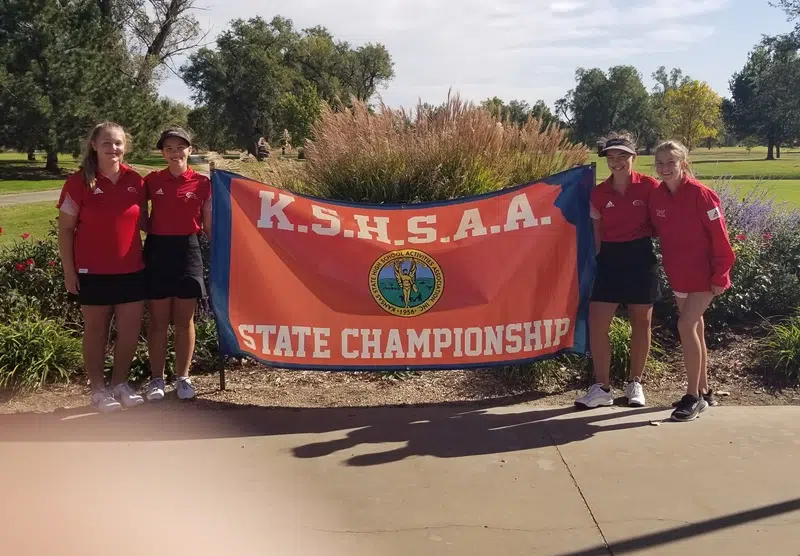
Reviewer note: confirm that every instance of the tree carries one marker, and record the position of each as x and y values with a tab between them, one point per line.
64	69
261	71
210	129
601	103
693	113
519	112
764	100
156	31
297	113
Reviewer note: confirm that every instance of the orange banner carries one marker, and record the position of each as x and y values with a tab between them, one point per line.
301	282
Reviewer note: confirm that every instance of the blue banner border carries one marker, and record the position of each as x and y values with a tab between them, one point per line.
578	180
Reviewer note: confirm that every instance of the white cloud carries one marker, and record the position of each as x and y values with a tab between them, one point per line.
524	49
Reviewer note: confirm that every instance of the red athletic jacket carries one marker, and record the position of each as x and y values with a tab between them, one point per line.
694	239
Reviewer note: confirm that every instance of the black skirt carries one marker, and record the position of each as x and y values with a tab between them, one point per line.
174	267
627	273
110	289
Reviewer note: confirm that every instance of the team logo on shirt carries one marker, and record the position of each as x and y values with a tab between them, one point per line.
713	214
190	195
638	203
160	192
132	190
97	191
661	212
610	205
406	283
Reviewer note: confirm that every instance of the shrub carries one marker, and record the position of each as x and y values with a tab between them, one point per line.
782	350
455	150
31	271
34	351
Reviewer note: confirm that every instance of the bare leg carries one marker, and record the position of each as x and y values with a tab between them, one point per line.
701	332
600	317
691	313
157	335
129	324
183	315
96	319
641	337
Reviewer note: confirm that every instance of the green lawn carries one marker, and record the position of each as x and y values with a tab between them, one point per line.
17	175
729	162
33	219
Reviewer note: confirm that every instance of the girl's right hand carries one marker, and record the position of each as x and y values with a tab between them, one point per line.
71	282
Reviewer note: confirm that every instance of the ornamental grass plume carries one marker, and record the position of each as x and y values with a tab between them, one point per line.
454	150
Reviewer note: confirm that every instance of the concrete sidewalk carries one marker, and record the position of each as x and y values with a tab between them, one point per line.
397	481
27	198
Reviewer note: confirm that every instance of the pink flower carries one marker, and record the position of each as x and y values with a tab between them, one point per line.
26	235
741	237
768	236
30	262
20	267
51	263
1	230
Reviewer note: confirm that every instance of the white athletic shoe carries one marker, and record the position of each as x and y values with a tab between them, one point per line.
596	397
156	389
635	394
185	388
126	396
104	401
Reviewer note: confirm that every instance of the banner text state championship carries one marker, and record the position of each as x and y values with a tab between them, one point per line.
300	282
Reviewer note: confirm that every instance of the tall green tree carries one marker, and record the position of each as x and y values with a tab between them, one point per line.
764	100
66	66
261	71
604	102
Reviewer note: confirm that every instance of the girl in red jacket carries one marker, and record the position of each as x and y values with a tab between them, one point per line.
181	209
697	258
102	209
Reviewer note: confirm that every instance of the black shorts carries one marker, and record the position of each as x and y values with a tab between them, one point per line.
110	289
174	267
627	273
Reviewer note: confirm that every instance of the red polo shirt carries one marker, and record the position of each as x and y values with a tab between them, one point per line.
694	239
107	238
623	216
177	202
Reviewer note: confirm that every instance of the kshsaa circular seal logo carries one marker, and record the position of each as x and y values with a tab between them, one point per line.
406	283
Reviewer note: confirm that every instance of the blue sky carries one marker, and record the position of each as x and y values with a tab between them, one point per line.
523	49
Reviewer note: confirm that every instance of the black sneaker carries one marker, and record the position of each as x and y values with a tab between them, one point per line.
689	408
708	397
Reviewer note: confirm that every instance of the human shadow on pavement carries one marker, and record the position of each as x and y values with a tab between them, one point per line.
437	430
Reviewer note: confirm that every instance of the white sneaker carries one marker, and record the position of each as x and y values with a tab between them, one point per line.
185	388
596	397
635	394
156	389
127	397
104	401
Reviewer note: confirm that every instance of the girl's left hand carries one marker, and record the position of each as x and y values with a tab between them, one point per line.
717	290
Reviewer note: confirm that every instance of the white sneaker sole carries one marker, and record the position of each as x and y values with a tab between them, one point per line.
595	405
108	409
155	397
132	403
636	403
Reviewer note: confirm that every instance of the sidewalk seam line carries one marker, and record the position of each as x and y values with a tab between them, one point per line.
578	487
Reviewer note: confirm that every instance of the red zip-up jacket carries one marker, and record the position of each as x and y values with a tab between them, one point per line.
694	238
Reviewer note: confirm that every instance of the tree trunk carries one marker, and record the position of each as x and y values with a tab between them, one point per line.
770	149
778	151
31	155
52	161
